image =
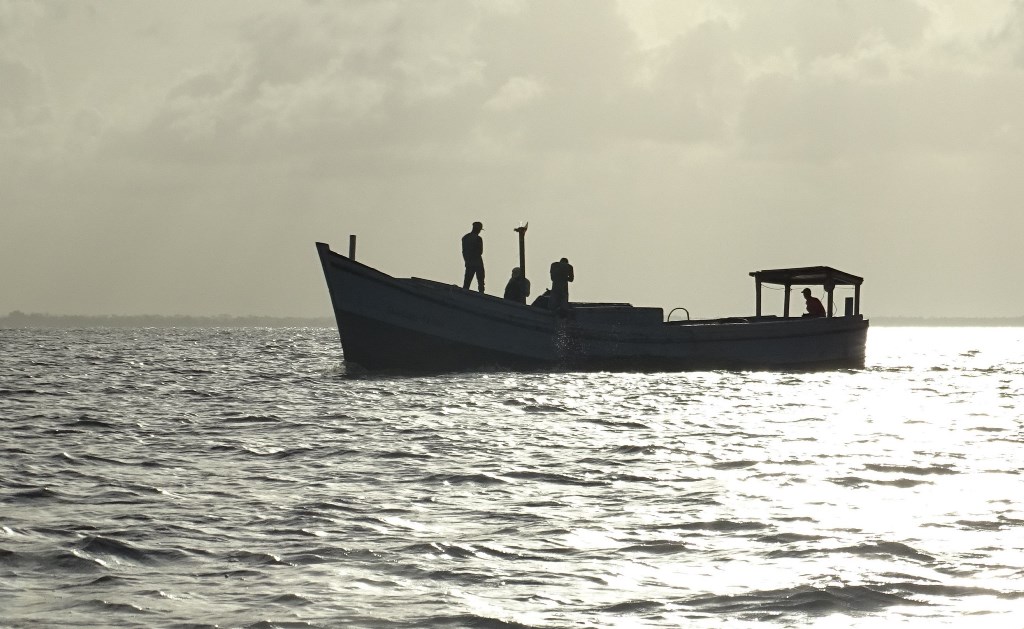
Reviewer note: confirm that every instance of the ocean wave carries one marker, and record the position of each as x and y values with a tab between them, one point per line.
104	580
139	489
857	481
191	392
236	573
789	538
849	598
405	454
554	478
105	606
544	409
275	453
283	624
724	525
460	479
253	419
632	478
634	607
37	493
1001	522
457	551
638	449
469	621
106	460
911	469
110	548
289	599
886	549
14	392
70	561
734	465
89	422
447	577
307	559
669	547
314	508
492	550
941	590
615	423
254	558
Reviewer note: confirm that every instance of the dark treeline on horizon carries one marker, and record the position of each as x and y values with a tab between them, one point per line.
967	322
18	319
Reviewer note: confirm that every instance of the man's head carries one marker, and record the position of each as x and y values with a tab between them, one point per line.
478	227
806	292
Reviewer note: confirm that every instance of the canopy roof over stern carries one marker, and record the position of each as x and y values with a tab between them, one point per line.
824	276
813	275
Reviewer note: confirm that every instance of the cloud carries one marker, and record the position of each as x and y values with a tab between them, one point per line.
518	91
819	30
154	141
22	88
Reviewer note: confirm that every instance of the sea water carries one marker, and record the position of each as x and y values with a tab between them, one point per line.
244	478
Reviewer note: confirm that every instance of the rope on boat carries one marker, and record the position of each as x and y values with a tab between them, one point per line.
669	317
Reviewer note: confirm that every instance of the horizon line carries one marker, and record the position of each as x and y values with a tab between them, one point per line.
17	318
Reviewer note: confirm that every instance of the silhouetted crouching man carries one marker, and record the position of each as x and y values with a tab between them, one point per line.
473	255
814	307
518	287
561	275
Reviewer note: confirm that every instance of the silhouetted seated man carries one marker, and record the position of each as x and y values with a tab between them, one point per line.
561	275
518	287
543	300
814	307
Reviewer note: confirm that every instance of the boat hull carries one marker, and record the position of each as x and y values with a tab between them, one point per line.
409	324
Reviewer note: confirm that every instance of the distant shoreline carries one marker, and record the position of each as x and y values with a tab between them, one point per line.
947	322
19	319
36	320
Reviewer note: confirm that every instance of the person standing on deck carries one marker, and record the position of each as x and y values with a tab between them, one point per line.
561	275
473	255
814	307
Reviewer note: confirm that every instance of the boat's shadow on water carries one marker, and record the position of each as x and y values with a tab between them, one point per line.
354	371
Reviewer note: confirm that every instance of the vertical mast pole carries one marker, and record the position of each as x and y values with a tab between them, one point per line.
521	230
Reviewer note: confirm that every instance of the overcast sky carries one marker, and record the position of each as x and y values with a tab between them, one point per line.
183	157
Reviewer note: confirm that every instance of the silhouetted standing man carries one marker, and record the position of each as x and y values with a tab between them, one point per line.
561	275
473	254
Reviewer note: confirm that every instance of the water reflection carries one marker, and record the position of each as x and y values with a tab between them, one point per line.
555	500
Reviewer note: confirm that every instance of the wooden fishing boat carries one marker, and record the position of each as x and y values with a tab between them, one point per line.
414	324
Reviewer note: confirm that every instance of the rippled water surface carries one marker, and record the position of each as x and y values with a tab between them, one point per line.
241	477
